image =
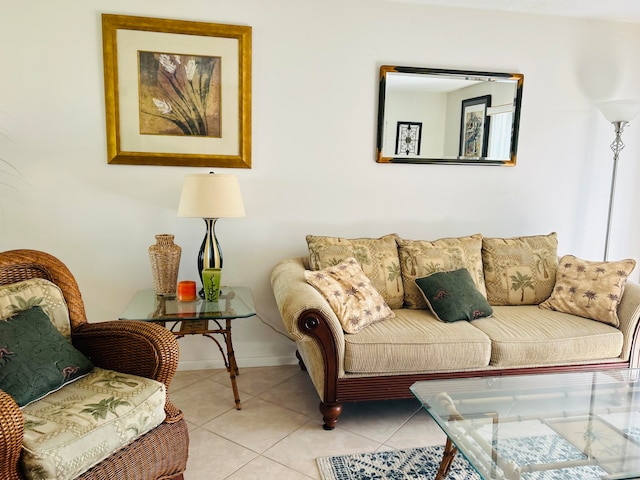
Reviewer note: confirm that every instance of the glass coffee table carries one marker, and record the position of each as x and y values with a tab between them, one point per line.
579	425
198	317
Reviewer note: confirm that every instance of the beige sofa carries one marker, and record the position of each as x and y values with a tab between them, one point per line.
383	359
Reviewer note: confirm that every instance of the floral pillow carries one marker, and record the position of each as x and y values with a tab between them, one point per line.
35	359
351	295
590	289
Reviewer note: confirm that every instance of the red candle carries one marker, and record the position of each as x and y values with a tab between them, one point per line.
186	291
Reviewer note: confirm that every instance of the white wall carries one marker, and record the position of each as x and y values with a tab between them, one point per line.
315	70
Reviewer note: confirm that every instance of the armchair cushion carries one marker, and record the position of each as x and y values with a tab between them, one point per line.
69	431
23	295
35	359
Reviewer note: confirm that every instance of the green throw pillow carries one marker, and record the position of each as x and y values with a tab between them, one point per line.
453	296
35	358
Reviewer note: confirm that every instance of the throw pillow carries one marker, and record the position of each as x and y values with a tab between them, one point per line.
378	258
520	270
419	258
590	289
23	295
351	295
453	296
35	358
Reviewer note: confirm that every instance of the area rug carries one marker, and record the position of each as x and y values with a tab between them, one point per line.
423	463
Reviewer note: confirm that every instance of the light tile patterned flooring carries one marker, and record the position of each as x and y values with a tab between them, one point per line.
278	433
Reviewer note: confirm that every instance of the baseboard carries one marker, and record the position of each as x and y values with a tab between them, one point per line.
246	362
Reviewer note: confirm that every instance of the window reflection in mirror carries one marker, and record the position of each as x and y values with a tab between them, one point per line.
430	115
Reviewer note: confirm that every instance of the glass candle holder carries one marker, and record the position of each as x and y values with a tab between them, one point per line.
186	291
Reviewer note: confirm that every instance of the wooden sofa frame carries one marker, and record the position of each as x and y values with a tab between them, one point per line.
339	390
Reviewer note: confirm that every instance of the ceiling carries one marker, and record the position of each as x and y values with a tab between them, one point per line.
612	10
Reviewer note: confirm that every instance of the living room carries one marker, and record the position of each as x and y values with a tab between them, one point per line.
315	81
315	70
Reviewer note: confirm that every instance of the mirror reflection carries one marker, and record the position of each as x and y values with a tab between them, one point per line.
428	115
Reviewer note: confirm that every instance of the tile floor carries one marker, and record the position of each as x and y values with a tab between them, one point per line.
278	433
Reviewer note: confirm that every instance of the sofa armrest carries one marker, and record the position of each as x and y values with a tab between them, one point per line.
295	297
308	318
11	433
128	346
629	314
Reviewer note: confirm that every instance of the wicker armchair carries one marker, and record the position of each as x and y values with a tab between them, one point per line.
137	348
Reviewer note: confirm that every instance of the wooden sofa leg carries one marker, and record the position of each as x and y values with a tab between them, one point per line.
330	414
303	367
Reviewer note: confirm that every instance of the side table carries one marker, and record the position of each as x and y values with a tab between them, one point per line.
199	317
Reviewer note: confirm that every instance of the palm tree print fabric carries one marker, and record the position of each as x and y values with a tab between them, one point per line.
378	258
17	297
419	258
352	297
590	289
76	427
520	270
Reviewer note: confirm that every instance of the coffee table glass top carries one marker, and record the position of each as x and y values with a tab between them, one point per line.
582	425
234	302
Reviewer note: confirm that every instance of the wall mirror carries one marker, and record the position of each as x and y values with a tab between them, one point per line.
429	115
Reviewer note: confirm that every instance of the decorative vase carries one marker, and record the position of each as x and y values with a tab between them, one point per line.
165	261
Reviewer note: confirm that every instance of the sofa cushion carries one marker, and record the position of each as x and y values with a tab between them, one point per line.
351	295
378	258
23	295
415	341
452	296
35	358
590	289
520	270
73	429
419	258
527	335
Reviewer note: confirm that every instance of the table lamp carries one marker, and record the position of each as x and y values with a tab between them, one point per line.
210	196
619	113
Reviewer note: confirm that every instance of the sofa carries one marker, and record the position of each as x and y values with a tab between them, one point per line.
511	306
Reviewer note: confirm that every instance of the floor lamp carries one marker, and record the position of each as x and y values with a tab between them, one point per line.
619	113
210	196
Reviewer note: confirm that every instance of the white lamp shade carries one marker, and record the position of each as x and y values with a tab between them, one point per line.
619	110
209	195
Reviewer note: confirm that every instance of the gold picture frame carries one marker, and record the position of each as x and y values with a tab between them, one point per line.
177	92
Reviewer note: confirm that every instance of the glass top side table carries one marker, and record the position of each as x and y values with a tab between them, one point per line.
197	318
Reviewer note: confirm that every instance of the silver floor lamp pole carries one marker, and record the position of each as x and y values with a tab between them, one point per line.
619	113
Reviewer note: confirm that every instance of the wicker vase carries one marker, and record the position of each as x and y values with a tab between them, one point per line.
165	260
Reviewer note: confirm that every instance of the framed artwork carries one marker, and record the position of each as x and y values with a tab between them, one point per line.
177	92
408	137
474	127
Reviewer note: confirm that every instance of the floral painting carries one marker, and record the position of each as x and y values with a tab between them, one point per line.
179	94
164	100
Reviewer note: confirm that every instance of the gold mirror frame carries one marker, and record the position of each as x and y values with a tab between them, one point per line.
183	150
464	92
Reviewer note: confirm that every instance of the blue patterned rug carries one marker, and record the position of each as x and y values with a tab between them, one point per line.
423	463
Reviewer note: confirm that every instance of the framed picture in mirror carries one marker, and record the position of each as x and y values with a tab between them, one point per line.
408	138
474	127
